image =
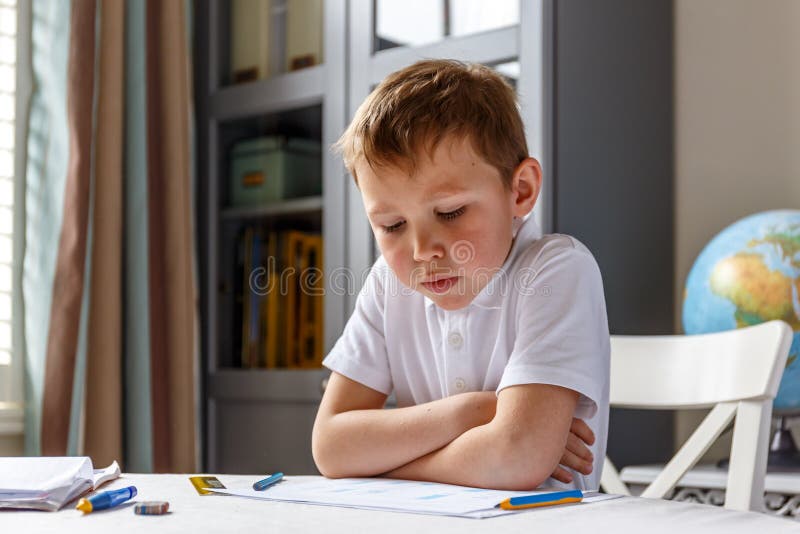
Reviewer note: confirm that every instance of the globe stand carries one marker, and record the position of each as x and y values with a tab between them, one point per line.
783	454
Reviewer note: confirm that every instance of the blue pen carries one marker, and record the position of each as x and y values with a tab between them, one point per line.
261	485
106	499
542	499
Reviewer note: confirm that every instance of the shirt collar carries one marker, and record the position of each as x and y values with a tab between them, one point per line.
525	231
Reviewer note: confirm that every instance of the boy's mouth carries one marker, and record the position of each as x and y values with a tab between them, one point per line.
441	285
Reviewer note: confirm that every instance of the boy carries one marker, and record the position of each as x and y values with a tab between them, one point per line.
491	336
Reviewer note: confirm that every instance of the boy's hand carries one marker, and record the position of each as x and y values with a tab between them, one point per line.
577	455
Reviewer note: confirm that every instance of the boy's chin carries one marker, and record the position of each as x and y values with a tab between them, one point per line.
450	302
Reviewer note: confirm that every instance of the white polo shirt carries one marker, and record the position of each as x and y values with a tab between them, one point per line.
540	320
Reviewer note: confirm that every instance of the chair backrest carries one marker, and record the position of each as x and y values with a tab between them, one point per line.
737	373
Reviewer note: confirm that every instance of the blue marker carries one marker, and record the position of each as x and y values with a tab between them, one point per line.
106	499
261	485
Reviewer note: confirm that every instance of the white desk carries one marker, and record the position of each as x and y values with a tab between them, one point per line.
706	484
192	513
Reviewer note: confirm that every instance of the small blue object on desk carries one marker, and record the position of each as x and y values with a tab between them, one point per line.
261	485
542	499
106	499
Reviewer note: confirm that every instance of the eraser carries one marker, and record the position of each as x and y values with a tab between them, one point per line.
151	508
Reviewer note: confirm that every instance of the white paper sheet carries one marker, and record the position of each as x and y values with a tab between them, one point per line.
388	494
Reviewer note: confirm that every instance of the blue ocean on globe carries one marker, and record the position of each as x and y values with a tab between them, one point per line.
748	274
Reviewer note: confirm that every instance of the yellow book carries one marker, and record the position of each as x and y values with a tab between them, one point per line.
302	302
312	309
263	328
247	243
292	250
272	299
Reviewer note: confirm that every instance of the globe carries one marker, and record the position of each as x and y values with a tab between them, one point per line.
748	274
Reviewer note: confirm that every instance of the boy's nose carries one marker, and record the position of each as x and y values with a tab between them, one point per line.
427	248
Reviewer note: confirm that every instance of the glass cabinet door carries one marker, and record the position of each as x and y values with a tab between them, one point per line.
265	38
421	22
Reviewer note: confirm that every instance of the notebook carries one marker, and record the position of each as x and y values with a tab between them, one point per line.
48	483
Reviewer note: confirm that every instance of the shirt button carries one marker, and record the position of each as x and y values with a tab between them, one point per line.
455	339
460	384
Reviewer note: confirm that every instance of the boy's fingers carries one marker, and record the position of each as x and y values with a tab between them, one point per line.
562	475
578	447
568	459
582	430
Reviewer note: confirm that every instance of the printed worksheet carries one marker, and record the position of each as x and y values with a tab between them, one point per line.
397	495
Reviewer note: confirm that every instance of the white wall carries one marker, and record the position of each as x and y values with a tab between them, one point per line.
737	123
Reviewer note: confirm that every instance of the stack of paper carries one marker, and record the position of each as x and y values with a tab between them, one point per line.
395	495
48	483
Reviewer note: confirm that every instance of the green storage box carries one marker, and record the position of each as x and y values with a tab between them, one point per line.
268	169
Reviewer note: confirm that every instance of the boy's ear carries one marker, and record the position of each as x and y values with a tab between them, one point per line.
526	184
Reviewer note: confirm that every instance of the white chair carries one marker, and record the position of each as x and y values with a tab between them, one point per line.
737	373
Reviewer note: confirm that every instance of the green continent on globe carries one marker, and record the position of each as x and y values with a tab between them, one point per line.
758	293
788	244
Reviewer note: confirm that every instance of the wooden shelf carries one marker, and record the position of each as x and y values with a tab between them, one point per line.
293	206
282	385
288	91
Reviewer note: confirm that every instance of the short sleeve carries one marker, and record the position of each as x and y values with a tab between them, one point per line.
360	353
561	325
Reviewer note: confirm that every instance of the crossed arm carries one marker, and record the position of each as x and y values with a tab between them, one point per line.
511	441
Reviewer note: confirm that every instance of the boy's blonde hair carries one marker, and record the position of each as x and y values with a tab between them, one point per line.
414	108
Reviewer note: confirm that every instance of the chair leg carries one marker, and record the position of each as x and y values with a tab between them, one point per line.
610	481
687	456
748	466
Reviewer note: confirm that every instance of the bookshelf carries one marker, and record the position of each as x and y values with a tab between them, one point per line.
576	72
255	419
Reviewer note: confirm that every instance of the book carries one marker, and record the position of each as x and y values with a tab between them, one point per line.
247	244
272	330
311	302
293	243
281	311
250	40
254	282
49	483
303	33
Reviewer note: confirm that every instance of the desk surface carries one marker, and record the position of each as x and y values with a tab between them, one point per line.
190	512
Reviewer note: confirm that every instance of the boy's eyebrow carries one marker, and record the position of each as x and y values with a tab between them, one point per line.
378	209
447	191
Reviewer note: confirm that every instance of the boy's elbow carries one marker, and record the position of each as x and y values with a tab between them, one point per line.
320	452
525	481
324	455
522	478
326	470
319	460
329	468
325	467
530	465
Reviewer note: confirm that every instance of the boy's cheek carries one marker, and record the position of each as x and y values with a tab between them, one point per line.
395	259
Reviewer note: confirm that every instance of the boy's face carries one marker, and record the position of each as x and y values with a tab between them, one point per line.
446	231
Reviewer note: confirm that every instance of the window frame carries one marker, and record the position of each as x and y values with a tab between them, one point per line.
12	401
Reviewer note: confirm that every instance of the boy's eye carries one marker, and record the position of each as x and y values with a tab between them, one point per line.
447	215
450	215
393	228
